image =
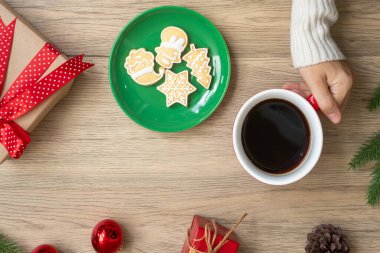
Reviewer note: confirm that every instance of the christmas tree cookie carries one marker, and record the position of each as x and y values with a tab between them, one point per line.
176	88
139	65
173	42
198	61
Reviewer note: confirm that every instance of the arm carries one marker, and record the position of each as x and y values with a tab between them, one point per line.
318	58
311	42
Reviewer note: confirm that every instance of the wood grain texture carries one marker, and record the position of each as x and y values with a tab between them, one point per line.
89	161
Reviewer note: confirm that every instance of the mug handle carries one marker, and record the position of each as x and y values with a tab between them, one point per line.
311	99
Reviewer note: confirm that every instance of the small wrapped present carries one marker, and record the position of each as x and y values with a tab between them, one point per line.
207	236
34	76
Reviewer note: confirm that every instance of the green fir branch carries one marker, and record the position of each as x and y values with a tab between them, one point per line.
374	103
373	194
7	246
369	151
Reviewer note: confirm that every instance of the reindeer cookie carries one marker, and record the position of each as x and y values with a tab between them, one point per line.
139	65
198	61
173	42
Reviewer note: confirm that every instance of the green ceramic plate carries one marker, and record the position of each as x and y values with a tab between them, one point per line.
145	104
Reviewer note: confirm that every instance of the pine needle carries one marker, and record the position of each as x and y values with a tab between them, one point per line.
375	101
369	151
7	246
373	194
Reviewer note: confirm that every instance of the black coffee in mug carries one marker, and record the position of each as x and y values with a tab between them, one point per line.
276	136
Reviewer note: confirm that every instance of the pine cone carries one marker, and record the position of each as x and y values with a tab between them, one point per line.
327	238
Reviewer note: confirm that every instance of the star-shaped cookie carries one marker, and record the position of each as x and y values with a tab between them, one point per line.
176	87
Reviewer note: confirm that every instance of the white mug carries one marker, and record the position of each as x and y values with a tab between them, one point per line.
315	146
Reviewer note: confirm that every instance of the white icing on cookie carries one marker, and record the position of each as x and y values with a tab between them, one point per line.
140	66
173	42
176	88
142	72
198	61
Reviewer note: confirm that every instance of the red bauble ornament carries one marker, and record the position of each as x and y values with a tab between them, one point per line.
45	248
107	237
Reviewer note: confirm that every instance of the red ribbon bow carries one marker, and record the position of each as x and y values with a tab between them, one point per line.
28	90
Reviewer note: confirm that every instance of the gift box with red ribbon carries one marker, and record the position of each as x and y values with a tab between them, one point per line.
207	236
34	76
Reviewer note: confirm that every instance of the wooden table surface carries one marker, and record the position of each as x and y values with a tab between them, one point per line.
89	161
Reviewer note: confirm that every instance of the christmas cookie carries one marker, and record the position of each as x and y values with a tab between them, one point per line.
176	88
139	65
198	61
173	42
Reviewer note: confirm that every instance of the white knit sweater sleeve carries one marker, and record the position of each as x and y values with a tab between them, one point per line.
311	42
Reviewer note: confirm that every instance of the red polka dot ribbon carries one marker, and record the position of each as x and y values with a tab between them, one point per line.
29	89
6	39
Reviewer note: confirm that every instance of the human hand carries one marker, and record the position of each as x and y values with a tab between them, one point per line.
330	83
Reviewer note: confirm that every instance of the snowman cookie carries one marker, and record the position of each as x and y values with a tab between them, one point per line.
140	66
173	42
198	61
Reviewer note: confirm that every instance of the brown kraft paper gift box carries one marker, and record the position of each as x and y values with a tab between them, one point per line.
26	44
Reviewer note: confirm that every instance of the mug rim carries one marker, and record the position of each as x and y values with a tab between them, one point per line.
316	138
